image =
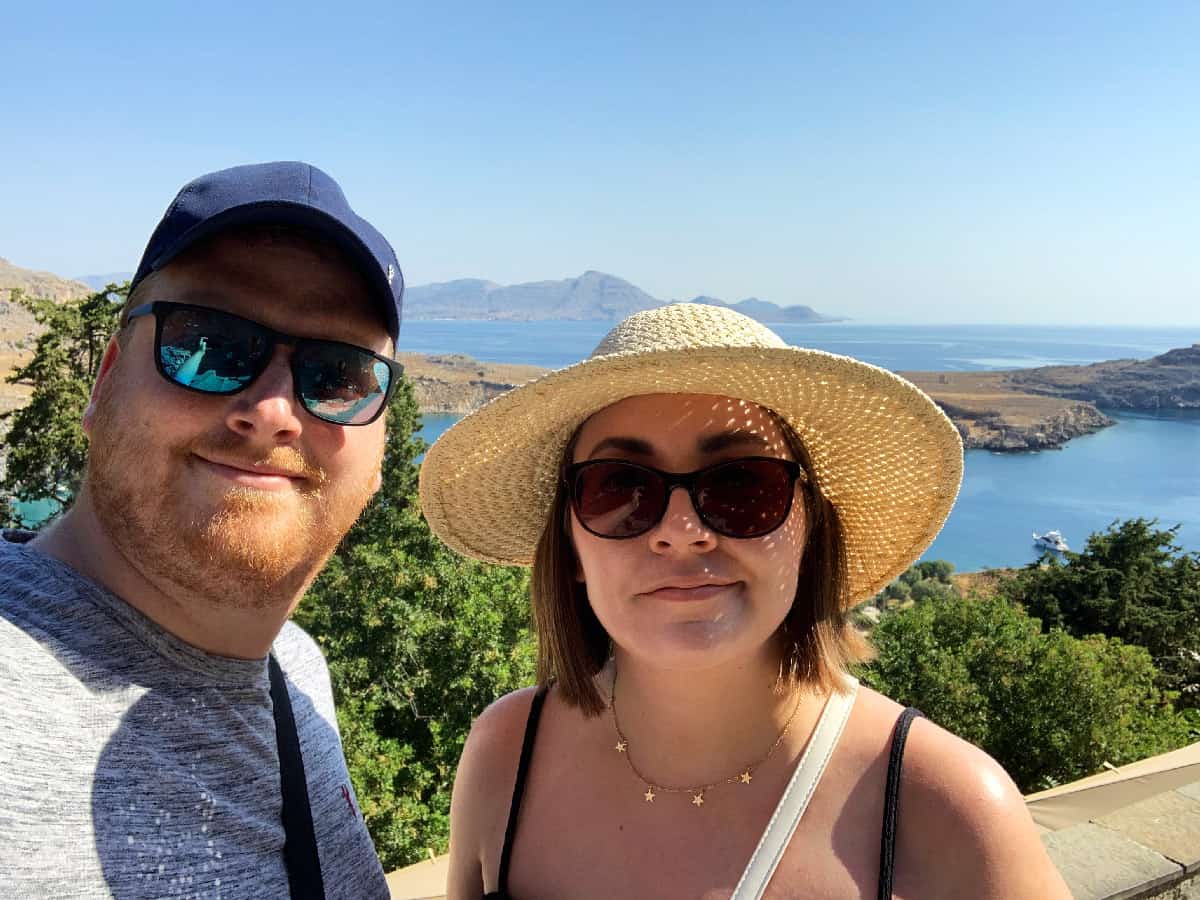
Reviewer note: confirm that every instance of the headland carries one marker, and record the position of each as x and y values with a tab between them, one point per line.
1011	411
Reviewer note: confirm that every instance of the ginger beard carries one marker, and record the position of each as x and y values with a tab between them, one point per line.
244	547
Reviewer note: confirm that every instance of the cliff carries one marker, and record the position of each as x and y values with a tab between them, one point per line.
993	413
453	383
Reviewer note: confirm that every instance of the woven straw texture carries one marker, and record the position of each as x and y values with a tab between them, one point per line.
882	451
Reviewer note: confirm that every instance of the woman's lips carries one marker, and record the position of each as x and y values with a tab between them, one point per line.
689	594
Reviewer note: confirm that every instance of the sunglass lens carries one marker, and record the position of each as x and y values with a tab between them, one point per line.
340	383
616	499
746	497
208	351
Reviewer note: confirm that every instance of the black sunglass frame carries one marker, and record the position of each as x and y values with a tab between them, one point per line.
686	480
160	308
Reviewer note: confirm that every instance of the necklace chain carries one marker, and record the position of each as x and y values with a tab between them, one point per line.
653	788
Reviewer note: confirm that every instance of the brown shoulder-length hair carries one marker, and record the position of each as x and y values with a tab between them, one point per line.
817	639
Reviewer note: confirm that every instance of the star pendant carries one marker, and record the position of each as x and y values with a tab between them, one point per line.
698	799
649	795
746	777
622	746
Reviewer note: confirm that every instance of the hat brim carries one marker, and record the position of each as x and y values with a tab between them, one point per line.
882	451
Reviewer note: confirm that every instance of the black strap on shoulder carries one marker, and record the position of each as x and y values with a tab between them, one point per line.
510	831
300	841
891	802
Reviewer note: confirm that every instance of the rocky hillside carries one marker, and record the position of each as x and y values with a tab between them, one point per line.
1033	409
453	383
38	284
1169	381
992	413
18	330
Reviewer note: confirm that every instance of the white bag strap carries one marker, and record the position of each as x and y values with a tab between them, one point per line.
798	793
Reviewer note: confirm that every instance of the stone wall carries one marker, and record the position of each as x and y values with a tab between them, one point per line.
1149	849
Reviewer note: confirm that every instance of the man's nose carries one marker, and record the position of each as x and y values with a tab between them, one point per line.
268	409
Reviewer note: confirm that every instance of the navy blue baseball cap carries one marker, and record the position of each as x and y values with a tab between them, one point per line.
277	193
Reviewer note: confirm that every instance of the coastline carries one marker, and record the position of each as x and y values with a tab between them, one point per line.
990	414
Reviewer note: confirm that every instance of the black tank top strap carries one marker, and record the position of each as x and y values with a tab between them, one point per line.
514	812
891	802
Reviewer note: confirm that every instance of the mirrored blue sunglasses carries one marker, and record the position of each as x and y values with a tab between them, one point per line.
214	352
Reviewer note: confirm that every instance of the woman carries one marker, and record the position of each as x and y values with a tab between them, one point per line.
696	733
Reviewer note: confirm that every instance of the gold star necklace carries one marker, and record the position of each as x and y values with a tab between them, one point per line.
653	788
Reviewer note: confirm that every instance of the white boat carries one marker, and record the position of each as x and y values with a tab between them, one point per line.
1051	540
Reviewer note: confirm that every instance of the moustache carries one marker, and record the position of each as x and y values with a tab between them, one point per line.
287	460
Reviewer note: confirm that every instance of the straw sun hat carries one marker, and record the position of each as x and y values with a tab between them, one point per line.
881	450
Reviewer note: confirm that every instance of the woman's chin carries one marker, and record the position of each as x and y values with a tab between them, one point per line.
691	646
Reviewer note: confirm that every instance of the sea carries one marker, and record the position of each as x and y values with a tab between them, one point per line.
1146	465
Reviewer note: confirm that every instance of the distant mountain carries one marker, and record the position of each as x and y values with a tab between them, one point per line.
593	295
97	282
765	311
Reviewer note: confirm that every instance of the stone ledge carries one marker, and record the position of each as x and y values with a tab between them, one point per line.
1099	864
1148	849
1168	823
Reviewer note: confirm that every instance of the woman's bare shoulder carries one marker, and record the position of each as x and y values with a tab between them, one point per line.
961	815
493	748
503	722
483	786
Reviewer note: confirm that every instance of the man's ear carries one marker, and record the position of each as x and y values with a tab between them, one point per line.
111	354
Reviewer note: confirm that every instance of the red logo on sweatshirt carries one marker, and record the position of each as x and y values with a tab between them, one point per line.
349	801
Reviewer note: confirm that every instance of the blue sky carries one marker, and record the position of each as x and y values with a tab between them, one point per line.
953	162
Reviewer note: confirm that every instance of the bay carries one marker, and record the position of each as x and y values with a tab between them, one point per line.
1146	465
895	347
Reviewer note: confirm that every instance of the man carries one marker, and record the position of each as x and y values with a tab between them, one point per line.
236	431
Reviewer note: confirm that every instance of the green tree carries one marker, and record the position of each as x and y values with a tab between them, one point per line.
1049	707
46	446
1132	581
918	583
419	641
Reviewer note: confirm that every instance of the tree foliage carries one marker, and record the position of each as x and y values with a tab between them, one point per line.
1048	706
1133	582
46	446
419	641
919	582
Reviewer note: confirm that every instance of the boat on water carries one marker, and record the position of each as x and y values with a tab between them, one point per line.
1051	540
